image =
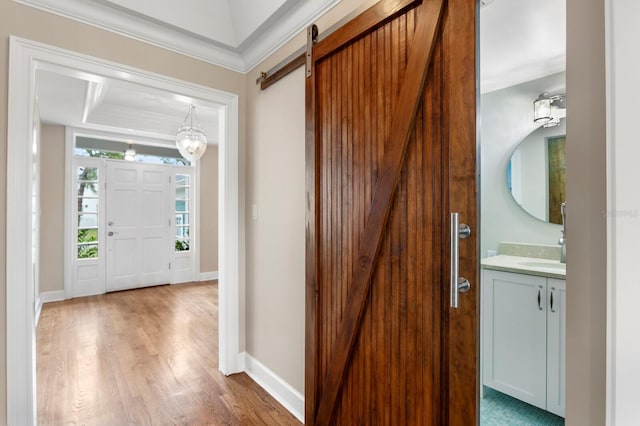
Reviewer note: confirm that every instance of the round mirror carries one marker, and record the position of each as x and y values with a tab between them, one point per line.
536	173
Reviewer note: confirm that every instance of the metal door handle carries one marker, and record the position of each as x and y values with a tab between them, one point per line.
111	233
457	283
553	289
539	297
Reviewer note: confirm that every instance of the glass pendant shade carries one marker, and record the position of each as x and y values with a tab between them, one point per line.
130	154
542	109
190	140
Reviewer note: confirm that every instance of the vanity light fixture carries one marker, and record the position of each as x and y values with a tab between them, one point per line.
542	108
191	140
130	154
555	121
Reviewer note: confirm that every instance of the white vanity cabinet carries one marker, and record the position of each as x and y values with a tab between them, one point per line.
523	343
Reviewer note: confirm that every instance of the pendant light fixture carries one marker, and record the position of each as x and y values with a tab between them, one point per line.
130	154
191	140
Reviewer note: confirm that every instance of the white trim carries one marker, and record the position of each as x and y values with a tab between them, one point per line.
241	58
68	241
20	303
610	414
25	55
208	276
230	239
52	296
281	33
195	261
279	389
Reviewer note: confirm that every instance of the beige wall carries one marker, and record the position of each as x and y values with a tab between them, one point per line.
51	208
276	241
586	225
40	26
209	210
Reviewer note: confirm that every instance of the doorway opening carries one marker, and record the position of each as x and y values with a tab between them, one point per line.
523	198
26	57
134	223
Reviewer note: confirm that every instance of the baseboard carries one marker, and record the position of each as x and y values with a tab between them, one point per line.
52	296
208	276
46	297
280	390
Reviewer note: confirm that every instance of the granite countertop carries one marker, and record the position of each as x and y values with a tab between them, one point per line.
526	265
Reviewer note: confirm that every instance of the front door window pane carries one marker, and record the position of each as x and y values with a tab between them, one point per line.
87	205
182	212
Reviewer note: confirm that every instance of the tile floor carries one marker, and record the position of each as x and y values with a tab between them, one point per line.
498	409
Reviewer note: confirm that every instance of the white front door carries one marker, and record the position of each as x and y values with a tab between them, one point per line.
138	225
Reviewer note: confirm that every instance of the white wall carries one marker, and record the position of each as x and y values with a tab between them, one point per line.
623	210
506	120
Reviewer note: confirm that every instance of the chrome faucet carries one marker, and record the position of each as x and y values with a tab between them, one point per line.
563	239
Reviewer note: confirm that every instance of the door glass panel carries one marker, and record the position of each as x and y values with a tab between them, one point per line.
182	193
182	180
87	251
87	220
182	206
87	235
87	205
87	189
182	215
182	219
87	174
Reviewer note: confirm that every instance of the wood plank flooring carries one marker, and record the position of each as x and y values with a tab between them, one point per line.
143	357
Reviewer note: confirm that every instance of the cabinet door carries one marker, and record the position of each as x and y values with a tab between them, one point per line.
514	321
556	355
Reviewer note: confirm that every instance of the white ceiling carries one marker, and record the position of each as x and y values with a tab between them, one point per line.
520	40
87	101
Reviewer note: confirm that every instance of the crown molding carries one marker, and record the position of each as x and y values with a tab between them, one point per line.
284	30
241	60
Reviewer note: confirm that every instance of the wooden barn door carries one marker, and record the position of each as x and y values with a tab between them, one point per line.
391	153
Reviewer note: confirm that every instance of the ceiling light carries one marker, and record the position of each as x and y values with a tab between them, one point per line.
191	140
130	154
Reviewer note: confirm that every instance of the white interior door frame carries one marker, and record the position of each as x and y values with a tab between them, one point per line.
24	58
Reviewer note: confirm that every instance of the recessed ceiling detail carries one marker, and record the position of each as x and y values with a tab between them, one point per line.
235	34
117	106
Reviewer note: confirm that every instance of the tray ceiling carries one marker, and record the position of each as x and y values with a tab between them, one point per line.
235	34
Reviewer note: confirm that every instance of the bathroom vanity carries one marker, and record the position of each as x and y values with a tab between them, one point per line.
523	329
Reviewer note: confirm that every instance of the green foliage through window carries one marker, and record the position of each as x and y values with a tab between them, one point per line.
182	245
87	251
87	235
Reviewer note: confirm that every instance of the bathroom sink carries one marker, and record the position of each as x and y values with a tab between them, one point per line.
544	265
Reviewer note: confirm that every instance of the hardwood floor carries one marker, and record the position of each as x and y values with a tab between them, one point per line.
143	357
